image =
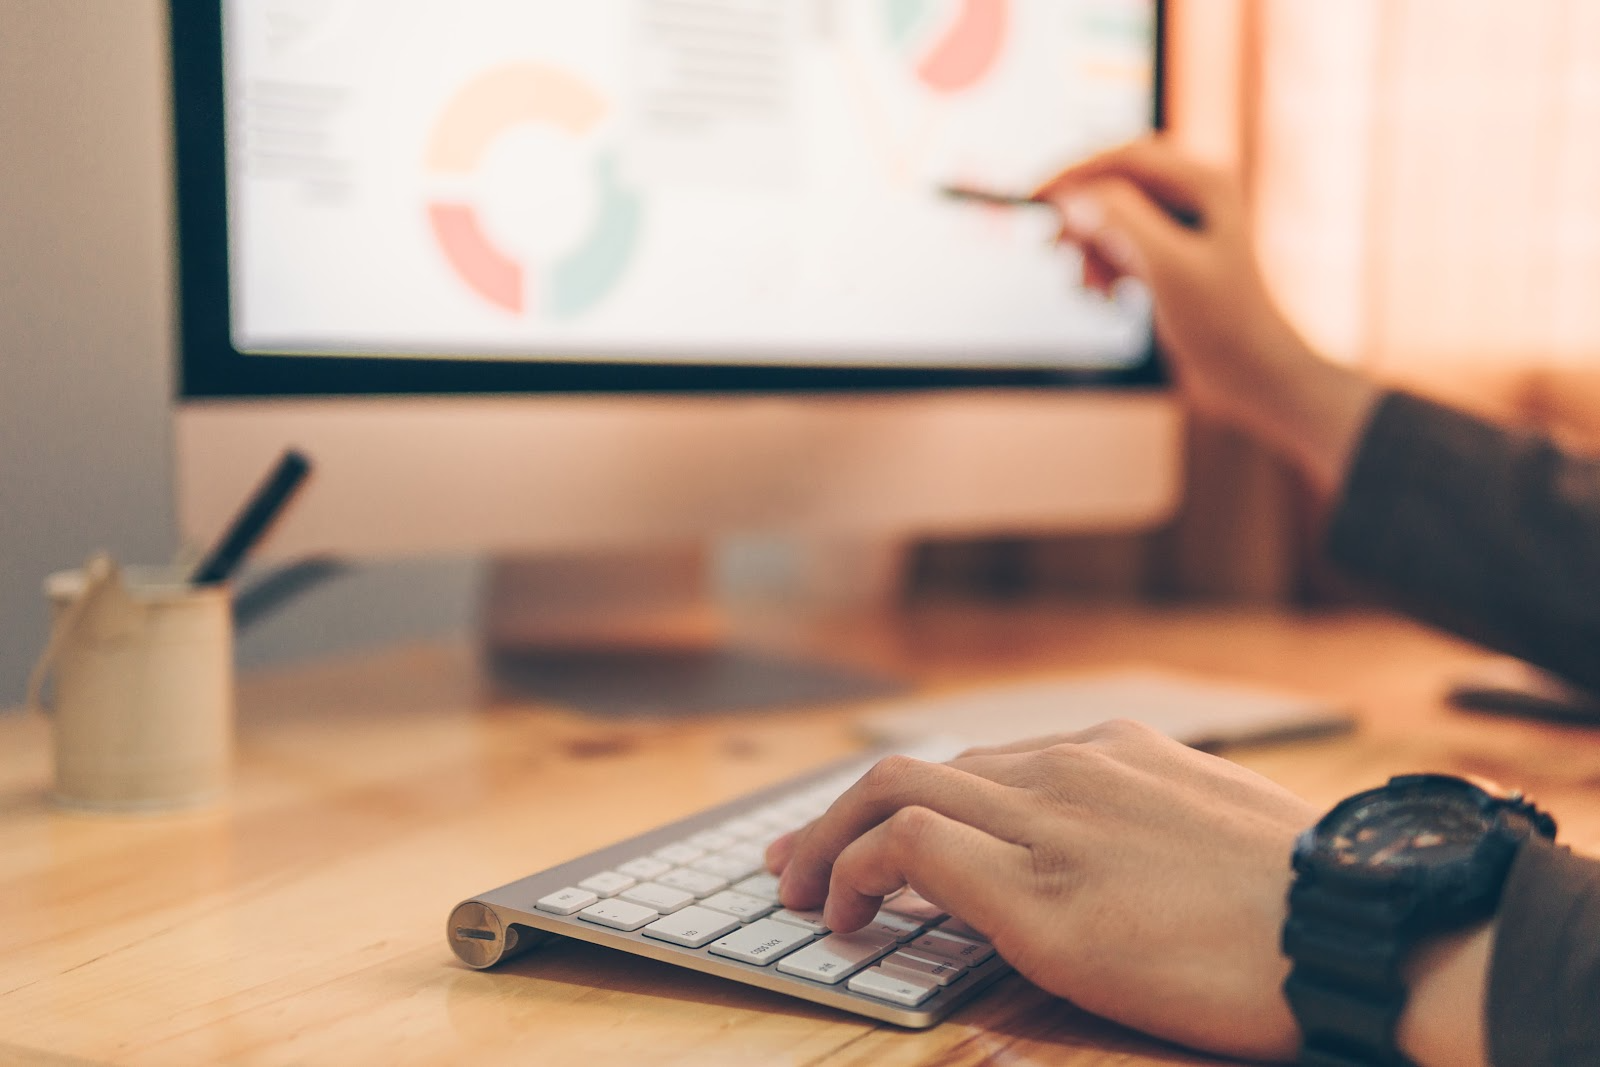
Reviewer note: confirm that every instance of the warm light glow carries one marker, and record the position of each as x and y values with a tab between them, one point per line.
1428	178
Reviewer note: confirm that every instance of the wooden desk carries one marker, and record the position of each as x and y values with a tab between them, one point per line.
303	922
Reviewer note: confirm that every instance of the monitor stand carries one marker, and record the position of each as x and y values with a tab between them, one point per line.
661	633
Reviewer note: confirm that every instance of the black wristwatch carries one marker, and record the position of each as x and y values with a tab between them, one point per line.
1425	854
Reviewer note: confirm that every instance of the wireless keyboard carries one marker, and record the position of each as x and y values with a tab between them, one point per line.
696	893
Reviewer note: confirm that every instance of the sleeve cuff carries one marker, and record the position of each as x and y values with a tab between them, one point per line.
1544	972
1419	464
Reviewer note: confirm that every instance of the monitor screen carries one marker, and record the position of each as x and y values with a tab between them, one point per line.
646	193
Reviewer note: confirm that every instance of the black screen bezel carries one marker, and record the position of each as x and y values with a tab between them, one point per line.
211	367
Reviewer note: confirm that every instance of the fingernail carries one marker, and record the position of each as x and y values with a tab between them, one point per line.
1082	214
1118	251
778	853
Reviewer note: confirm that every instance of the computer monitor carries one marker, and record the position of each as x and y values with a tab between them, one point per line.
545	276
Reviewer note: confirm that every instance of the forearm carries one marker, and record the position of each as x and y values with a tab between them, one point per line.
1491	534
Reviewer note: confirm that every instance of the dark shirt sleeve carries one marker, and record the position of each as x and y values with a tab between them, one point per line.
1544	974
1491	534
1496	536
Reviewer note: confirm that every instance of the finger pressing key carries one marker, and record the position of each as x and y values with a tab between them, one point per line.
781	849
960	867
892	784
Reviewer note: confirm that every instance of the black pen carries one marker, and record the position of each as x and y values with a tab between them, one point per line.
972	194
989	196
251	524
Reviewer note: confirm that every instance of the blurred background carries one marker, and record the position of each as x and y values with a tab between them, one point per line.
1423	175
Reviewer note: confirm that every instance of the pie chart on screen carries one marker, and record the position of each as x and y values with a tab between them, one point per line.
478	115
953	46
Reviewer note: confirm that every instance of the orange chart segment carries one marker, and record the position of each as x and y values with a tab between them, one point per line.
494	276
503	98
969	49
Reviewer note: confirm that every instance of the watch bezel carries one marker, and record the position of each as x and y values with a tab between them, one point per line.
1446	894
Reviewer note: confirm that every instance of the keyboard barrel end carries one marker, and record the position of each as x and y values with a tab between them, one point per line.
480	939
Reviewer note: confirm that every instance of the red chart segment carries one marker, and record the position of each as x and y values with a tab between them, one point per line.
968	50
492	274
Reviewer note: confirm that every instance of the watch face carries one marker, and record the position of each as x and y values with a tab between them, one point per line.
1415	829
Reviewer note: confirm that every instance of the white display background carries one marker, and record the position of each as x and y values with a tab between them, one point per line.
793	218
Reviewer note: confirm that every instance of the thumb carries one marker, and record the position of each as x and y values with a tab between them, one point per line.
1123	225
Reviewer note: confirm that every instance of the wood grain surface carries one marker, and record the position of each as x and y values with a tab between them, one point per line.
302	922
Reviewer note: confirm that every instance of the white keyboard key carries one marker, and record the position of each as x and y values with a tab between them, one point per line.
756	854
912	904
742	828
644	868
741	906
773	818
951	947
699	883
955	926
761	942
662	898
806	920
896	987
691	927
619	914
566	901
713	840
607	883
723	865
767	816
679	854
834	787
900	927
835	956
822	797
802	810
940	970
763	885
812	803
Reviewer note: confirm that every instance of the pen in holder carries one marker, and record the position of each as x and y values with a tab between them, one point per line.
143	668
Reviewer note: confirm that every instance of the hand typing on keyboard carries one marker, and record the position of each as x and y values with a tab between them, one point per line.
1143	880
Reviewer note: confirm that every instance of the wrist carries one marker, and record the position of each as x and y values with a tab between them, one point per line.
1444	1017
1315	413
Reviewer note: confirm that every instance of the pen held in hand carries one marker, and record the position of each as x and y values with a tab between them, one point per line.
1185	217
974	195
251	524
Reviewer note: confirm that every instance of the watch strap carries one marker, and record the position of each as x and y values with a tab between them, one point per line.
1346	989
1342	1026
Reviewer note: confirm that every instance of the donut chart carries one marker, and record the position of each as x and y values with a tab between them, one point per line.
963	53
469	125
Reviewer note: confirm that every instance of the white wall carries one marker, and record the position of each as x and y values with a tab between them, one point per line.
85	339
